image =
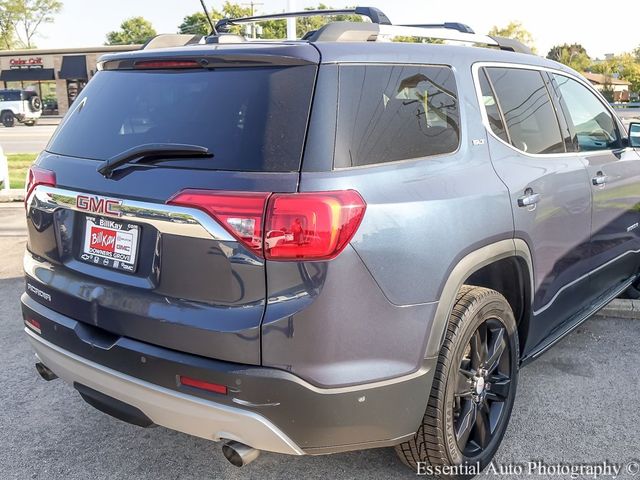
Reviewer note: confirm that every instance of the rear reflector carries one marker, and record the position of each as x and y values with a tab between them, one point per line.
155	64
202	385
33	325
38	176
283	226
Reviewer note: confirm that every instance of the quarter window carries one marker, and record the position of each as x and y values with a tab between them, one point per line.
593	124
390	113
527	109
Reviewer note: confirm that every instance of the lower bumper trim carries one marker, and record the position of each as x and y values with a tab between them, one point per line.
169	408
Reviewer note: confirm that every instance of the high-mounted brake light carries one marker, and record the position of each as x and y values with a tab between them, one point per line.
283	226
38	176
159	64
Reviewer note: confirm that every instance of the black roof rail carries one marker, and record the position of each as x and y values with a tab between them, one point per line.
461	27
372	13
511	45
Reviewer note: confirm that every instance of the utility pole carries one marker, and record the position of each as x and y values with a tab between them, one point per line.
252	4
291	22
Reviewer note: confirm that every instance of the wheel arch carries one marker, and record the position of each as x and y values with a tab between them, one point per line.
504	266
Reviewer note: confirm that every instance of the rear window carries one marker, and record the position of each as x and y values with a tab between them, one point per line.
9	96
389	113
250	119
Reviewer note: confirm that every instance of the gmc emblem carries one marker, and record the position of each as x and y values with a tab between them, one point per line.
90	203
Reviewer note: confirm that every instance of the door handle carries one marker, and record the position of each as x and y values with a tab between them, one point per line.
529	199
599	179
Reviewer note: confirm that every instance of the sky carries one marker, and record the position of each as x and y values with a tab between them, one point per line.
84	23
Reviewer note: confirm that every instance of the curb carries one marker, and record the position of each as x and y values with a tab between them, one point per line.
12	195
621	308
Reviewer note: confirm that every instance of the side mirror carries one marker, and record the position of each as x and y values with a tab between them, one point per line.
634	135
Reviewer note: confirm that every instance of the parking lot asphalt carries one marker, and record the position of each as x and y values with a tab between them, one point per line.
577	404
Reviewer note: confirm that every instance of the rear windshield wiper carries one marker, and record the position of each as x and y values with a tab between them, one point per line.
150	152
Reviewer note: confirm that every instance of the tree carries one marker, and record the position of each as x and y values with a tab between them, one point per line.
574	56
7	36
516	31
132	31
196	24
21	19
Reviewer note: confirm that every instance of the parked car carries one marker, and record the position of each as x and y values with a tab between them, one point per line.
19	106
330	244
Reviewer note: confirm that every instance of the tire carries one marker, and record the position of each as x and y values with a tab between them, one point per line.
454	396
633	292
8	119
30	123
35	104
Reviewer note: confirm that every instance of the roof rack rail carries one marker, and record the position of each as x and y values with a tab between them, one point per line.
461	27
380	28
363	32
372	13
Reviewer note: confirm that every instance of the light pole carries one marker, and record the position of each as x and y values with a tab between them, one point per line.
291	22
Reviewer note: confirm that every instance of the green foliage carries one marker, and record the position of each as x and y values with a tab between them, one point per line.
574	56
195	24
19	164
516	31
625	66
404	39
309	24
270	29
134	30
21	19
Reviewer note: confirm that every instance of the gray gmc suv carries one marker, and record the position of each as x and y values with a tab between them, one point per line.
330	244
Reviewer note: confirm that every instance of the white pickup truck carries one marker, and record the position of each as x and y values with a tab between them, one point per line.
19	106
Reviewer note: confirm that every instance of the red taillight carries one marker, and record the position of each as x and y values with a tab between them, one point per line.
296	226
311	226
202	385
239	212
154	64
38	176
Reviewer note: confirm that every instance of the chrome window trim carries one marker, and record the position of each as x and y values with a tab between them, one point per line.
169	219
475	68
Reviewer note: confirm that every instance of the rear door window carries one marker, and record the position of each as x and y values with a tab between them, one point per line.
592	122
252	119
390	113
527	109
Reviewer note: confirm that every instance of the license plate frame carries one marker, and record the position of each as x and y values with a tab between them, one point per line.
110	243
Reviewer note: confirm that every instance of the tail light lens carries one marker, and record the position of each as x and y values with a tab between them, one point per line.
284	226
38	176
240	213
311	226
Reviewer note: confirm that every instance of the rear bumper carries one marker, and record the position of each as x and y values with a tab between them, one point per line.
170	409
265	408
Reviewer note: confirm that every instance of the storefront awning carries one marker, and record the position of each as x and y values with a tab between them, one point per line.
74	67
20	74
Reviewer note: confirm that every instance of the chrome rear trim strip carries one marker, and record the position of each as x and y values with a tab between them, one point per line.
169	219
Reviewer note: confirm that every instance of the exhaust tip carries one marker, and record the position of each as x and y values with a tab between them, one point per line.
45	372
239	454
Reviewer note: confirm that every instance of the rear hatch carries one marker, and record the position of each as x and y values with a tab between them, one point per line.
110	251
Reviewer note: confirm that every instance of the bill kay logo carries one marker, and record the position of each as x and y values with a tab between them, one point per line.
94	204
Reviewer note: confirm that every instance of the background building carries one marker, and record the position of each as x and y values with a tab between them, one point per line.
619	88
57	75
